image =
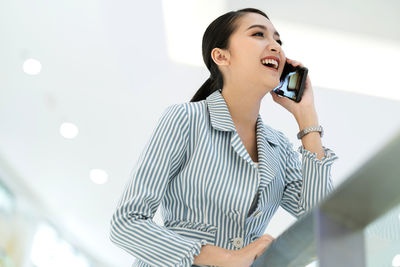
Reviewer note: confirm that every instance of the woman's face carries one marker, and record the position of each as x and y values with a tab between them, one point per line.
249	44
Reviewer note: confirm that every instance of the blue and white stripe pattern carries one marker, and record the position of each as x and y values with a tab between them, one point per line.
197	168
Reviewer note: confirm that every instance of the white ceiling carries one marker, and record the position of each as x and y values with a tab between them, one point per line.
105	68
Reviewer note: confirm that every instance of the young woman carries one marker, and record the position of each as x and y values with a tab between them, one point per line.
217	170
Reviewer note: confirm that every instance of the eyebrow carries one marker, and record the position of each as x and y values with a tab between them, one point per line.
263	27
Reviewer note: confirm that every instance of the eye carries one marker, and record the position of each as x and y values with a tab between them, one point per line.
262	34
258	33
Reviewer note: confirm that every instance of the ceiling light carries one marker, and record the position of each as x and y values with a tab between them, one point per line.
68	130
32	66
98	176
396	261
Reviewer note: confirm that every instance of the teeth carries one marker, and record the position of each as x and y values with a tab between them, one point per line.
272	61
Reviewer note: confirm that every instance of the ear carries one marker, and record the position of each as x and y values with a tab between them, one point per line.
220	56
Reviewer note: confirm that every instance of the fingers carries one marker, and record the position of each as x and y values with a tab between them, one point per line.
294	62
275	96
266	241
261	244
280	99
263	240
267	237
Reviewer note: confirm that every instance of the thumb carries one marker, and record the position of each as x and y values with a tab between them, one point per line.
280	99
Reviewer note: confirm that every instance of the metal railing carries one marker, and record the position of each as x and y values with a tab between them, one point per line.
347	227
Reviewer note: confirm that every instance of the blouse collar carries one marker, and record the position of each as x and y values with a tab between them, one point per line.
221	118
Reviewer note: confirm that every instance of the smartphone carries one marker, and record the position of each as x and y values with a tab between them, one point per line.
292	82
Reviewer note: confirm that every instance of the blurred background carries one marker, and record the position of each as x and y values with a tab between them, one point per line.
83	83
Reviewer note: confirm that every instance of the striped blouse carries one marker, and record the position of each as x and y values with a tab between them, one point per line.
196	167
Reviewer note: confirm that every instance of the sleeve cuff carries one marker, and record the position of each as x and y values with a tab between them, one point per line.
195	251
329	158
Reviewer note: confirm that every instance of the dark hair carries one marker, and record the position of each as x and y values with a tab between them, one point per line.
217	35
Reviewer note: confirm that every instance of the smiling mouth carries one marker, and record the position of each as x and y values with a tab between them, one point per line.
271	68
270	62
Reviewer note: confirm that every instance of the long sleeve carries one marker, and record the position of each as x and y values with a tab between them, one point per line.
132	225
307	181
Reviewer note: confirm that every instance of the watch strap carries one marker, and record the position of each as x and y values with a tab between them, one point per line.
309	130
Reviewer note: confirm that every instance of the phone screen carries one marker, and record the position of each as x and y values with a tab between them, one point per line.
292	82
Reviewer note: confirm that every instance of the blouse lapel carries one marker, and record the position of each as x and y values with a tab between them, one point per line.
268	157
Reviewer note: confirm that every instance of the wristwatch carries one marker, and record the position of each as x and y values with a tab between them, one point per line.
309	130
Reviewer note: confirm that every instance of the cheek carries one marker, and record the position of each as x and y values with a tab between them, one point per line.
284	56
248	52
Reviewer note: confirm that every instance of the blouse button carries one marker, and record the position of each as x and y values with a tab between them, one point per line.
238	242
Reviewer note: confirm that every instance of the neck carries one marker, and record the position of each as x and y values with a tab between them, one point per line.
244	106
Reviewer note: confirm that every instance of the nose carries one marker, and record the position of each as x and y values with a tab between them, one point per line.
274	46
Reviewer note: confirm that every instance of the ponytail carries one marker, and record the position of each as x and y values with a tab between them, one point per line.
209	86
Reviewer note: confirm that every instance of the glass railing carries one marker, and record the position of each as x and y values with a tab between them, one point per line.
358	224
382	240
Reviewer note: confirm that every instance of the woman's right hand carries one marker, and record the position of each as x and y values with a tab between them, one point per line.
245	257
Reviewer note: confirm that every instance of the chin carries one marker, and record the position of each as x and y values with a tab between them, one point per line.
272	84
